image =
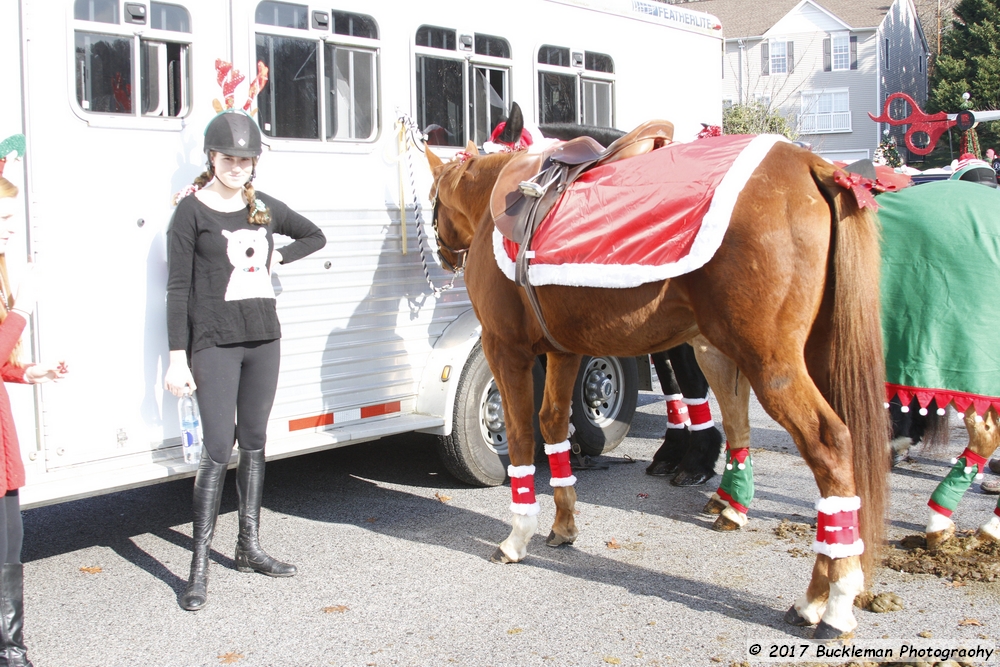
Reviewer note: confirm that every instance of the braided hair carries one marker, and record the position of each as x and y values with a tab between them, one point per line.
258	214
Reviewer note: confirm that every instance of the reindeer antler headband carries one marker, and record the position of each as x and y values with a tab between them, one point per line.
229	78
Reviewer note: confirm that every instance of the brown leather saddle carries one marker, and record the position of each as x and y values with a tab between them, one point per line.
531	184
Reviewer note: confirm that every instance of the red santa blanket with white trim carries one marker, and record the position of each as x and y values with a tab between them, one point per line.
647	218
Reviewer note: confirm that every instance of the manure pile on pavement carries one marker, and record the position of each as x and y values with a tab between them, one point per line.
962	559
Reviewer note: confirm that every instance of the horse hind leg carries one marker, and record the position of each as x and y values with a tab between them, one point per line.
732	390
553	420
968	466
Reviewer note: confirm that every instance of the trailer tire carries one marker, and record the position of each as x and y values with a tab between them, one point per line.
476	451
604	400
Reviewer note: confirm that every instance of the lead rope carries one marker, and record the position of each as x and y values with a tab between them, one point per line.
412	131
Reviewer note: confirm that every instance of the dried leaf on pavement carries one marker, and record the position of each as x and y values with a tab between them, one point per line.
969	621
443	498
336	609
90	570
230	658
613	544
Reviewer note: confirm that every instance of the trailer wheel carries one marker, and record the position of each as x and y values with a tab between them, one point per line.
476	451
604	401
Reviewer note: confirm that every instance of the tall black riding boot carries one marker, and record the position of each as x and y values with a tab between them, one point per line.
12	616
208	484
250	487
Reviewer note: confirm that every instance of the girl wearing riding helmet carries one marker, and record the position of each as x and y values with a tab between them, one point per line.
223	331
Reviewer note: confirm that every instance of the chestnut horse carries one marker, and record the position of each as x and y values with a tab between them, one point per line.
790	299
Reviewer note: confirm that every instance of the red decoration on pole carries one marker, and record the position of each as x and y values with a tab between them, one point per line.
932	125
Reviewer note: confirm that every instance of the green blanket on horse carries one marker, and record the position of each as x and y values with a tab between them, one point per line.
940	273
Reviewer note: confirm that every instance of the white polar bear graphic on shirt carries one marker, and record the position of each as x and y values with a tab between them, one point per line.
247	251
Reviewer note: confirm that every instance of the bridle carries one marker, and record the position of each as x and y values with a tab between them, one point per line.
460	255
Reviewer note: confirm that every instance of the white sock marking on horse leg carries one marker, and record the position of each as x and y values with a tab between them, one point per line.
810	611
938	523
840	607
991	528
736	516
522	528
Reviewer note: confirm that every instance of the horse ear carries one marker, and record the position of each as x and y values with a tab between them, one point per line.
515	124
471	148
433	160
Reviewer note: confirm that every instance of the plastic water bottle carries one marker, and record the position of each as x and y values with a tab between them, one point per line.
187	410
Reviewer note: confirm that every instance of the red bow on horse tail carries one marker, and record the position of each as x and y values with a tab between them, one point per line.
859	185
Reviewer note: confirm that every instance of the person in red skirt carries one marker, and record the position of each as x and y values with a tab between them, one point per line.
14	315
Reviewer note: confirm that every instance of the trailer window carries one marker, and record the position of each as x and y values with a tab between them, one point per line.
103	62
101	11
575	87
169	17
461	97
283	15
321	90
355	25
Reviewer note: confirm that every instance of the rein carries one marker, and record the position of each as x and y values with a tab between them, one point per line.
412	131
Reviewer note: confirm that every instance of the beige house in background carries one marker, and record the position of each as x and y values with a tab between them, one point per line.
824	64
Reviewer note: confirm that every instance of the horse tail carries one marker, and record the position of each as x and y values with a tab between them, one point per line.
857	362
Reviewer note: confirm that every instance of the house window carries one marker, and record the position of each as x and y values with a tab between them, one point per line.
104	60
777	57
575	87
841	52
324	90
825	112
460	97
885	59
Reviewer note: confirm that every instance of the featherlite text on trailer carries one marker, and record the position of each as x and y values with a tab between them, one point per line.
113	97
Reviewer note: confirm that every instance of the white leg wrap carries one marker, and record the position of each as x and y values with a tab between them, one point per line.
938	522
810	611
840	607
991	528
515	547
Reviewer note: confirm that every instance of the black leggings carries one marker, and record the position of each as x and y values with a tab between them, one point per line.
11	528
236	385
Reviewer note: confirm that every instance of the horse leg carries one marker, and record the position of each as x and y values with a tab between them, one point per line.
983	440
697	464
512	372
732	389
553	420
676	440
824	442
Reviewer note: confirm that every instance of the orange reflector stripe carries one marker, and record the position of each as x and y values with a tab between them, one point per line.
376	410
327	418
310	422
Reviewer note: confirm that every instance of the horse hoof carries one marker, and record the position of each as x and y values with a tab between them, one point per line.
725	525
986	536
661	468
935	540
715	506
685	478
826	632
555	539
793	617
500	557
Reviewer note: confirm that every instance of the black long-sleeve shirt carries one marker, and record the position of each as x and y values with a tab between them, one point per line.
219	283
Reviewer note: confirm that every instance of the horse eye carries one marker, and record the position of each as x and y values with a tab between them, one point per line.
249	252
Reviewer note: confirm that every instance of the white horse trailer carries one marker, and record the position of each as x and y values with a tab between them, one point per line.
113	97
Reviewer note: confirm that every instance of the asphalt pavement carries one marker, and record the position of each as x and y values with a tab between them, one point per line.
394	569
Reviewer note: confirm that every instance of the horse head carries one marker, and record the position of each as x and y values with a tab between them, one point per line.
460	194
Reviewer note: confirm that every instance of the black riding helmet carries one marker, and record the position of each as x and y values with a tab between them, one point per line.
233	133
